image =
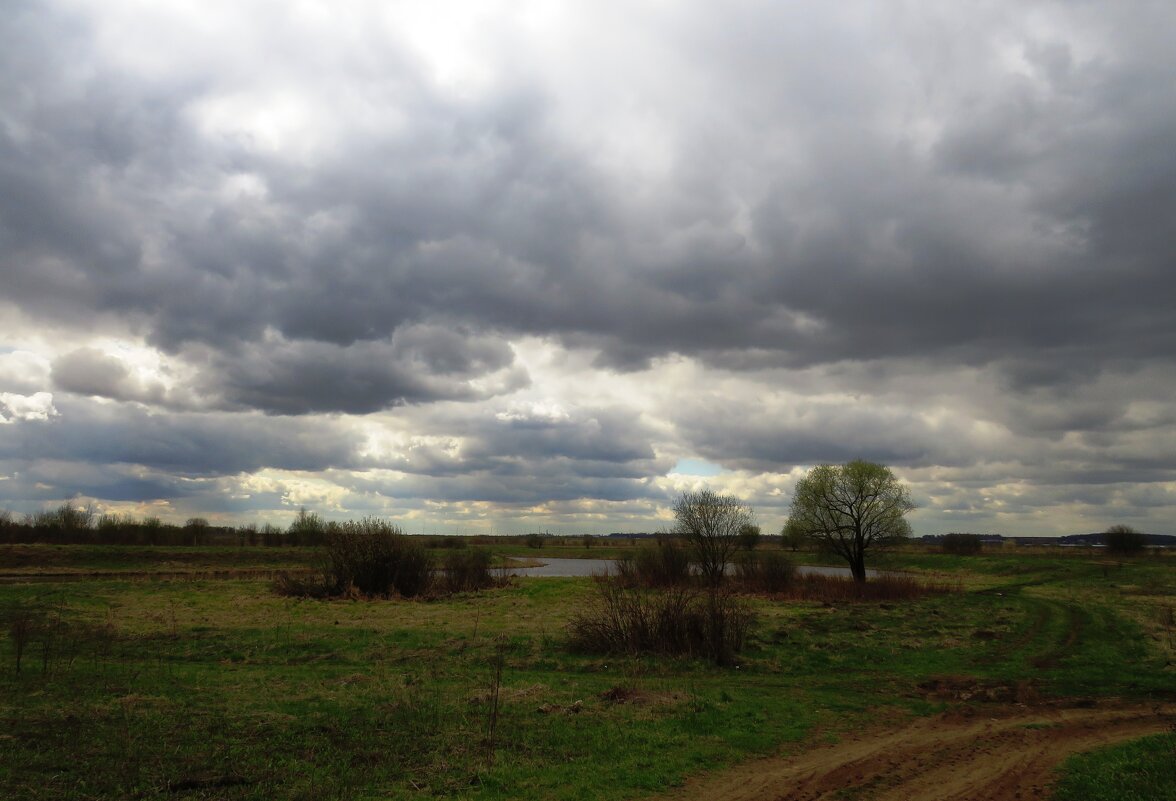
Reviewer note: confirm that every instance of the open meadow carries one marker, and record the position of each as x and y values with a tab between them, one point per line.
181	674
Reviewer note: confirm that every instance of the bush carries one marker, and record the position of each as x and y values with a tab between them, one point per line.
662	564
961	544
307	529
534	540
1124	540
770	571
368	557
678	621
465	571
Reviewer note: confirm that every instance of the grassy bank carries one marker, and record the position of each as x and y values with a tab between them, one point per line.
198	689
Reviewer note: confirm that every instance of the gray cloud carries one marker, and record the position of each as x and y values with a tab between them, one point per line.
417	365
1029	228
183	444
321	222
87	371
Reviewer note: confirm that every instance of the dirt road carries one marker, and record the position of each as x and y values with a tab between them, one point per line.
991	753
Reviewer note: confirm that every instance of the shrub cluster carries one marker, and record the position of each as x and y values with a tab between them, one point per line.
370	557
660	564
681	621
466	570
1124	540
769	571
365	557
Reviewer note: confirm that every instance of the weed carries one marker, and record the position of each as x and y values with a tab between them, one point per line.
23	624
497	664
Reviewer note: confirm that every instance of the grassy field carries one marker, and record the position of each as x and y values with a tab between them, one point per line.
203	688
1136	771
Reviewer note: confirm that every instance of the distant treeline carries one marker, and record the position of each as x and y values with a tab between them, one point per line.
71	524
1097	539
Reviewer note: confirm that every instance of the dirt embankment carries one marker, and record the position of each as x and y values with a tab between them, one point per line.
992	754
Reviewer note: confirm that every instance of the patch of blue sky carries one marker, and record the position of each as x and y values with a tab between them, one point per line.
697	467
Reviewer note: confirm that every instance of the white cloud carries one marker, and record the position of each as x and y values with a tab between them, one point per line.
23	408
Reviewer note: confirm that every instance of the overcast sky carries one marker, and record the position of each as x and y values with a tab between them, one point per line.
482	266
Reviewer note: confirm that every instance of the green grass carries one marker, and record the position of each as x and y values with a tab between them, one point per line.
1141	770
202	689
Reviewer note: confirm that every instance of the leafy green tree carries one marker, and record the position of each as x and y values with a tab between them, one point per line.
711	523
851	509
792	536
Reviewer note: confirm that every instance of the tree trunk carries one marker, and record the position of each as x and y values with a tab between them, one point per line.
857	566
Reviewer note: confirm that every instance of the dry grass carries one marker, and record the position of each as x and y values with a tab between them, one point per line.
887	587
682	621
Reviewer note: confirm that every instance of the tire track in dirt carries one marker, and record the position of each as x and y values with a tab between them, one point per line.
994	754
1075	621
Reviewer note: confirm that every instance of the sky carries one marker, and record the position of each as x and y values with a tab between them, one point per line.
509	266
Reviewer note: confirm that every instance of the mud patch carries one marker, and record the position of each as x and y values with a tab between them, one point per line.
999	753
971	690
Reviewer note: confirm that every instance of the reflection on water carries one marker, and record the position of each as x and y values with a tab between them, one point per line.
569	568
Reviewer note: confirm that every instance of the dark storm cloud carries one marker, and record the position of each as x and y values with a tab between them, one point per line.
300	377
741	434
589	446
40	482
1036	225
192	445
87	371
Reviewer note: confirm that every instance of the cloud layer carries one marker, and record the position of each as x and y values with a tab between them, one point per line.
512	263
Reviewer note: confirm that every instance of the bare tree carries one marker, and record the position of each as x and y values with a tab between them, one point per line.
850	509
711	522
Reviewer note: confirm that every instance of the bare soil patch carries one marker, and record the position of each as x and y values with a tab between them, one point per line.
993	753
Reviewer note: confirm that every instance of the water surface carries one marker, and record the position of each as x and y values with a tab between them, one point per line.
556	567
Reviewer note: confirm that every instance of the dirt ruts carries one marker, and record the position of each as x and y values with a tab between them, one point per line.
995	753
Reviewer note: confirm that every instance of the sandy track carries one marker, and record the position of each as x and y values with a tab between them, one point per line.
993	754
